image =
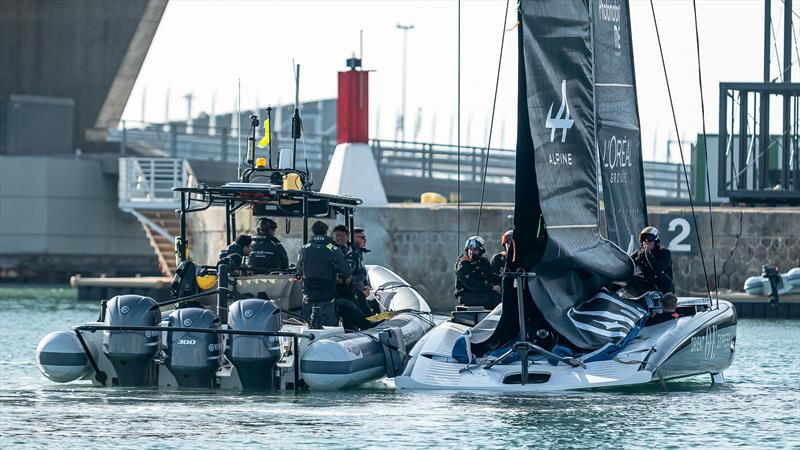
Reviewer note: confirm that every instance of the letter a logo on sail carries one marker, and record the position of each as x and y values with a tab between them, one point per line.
561	121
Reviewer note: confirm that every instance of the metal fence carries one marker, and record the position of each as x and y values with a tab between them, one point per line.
754	165
148	182
393	158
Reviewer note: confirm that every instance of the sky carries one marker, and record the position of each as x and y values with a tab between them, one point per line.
209	47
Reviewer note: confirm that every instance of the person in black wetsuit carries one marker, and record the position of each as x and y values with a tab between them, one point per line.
476	285
498	262
653	261
353	317
321	266
363	288
267	253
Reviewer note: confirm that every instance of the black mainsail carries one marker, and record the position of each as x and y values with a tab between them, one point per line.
617	116
556	213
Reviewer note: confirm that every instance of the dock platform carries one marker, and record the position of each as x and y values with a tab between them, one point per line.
758	306
103	288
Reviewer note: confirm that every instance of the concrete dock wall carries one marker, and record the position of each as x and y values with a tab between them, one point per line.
59	217
421	244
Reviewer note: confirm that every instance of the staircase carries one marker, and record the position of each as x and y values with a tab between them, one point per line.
145	191
163	246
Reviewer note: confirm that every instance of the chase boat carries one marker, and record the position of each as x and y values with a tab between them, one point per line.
229	329
564	323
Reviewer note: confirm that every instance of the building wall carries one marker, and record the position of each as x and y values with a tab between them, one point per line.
61	215
421	244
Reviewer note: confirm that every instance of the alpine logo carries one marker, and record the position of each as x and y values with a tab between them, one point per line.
561	121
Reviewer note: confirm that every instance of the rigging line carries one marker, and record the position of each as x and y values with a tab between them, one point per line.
775	46
491	122
238	125
784	5
795	46
680	148
705	152
458	137
772	144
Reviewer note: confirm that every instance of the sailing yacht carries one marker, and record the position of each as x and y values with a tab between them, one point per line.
563	323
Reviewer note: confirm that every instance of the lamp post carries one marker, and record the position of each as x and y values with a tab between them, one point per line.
401	125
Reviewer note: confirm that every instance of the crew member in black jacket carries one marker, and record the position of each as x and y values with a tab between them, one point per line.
498	261
653	264
267	253
476	285
347	304
234	255
321	266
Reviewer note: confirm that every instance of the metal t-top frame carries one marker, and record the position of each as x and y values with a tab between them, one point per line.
266	199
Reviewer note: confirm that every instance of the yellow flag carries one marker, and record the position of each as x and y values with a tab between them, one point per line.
265	140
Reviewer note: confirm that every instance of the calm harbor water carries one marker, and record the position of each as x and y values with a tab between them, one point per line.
759	407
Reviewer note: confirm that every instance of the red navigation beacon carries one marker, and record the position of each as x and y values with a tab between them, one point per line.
352	106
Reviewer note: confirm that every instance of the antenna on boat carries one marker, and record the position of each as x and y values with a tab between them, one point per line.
297	122
238	118
269	136
251	141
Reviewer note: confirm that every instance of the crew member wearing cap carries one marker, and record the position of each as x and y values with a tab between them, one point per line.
267	254
653	264
476	285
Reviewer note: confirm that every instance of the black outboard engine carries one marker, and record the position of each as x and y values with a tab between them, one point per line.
254	356
193	357
131	352
771	273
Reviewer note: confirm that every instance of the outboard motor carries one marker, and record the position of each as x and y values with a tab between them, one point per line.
255	357
131	352
192	357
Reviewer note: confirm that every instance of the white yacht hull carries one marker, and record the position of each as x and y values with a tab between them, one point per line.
697	344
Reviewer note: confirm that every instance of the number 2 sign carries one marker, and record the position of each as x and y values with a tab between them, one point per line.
677	234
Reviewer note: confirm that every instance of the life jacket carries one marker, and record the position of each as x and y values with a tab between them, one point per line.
319	268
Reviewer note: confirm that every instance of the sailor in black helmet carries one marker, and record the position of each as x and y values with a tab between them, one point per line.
321	266
267	253
653	264
476	285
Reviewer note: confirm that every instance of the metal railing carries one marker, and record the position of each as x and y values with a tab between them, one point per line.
753	164
393	158
148	182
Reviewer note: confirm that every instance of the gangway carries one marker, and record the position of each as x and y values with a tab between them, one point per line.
145	191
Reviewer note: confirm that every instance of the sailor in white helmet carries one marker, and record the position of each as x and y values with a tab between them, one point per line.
653	264
476	285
